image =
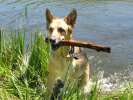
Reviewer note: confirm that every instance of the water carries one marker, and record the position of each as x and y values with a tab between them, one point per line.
106	22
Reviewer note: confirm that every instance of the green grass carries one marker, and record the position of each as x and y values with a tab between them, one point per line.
23	71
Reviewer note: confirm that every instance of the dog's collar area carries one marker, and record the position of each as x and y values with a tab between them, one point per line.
71	53
71	50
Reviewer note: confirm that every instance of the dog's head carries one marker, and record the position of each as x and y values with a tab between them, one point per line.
60	28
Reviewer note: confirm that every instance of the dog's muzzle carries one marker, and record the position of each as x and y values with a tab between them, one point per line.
53	42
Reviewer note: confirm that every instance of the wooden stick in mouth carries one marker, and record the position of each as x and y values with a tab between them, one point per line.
84	44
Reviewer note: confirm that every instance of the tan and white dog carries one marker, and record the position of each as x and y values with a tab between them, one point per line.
61	29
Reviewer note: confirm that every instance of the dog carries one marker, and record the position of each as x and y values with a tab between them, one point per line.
62	29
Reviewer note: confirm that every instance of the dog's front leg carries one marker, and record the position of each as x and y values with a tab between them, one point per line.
56	90
54	86
54	82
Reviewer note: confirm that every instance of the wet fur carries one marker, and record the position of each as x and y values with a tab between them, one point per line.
61	29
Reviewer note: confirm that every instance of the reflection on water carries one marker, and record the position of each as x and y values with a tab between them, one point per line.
106	22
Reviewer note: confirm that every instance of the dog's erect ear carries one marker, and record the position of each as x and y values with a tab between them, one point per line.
71	18
49	17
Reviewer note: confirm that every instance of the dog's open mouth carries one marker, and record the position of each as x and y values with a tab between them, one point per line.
54	46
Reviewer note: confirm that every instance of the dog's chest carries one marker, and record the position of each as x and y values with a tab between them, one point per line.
61	66
58	65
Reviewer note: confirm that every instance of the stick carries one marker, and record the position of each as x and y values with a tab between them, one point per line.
84	44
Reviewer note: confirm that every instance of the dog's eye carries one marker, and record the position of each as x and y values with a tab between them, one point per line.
61	30
51	29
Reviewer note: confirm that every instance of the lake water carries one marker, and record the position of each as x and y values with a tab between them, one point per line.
107	22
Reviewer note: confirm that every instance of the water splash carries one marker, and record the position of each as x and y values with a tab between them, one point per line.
115	82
